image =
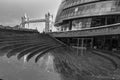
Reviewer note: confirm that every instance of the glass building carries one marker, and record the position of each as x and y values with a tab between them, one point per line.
96	23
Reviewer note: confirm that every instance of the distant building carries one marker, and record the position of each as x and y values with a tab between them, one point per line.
17	26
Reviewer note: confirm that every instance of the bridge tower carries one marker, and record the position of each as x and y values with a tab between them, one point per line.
24	20
47	23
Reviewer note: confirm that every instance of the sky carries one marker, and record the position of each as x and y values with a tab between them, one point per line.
11	11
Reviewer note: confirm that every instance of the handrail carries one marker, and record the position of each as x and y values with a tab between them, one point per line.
91	28
18	29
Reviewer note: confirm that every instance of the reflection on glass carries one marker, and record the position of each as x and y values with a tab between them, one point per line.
81	23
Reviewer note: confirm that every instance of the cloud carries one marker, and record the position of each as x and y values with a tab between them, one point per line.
11	11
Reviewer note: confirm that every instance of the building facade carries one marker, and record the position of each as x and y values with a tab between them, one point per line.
96	23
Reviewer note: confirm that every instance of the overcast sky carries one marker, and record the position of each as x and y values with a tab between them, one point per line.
11	11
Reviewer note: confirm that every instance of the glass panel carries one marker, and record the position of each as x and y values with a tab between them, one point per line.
93	8
81	23
77	25
98	21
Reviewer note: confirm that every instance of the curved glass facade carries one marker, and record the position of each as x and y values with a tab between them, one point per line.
70	3
86	13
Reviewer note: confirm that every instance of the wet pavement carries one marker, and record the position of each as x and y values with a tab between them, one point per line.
12	69
97	62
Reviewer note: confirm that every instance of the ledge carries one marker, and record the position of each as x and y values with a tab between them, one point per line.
84	3
18	29
95	31
85	16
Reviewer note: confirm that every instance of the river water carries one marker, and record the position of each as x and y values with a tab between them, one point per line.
12	69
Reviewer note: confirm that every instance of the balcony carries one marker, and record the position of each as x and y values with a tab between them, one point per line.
95	31
94	9
78	2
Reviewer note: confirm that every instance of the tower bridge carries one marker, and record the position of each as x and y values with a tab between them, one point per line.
25	20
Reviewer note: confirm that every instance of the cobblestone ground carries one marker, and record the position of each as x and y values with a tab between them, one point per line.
92	65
